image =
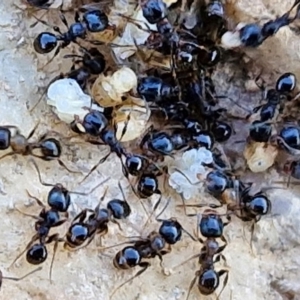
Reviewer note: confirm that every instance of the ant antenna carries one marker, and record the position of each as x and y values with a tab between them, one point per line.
17	278
71	192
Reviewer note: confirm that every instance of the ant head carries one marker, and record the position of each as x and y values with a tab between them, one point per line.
45	42
171	231
37	254
208	282
153	10
119	208
95	20
51	147
286	83
211	225
147	185
221	131
59	198
94	122
250	35
134	164
258	205
216	182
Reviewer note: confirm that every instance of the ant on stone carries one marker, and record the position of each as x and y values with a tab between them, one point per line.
50	148
92	21
253	35
155	244
59	201
211	227
84	228
264	115
17	278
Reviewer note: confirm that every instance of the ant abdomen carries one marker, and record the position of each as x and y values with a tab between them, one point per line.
127	258
45	42
208	282
37	254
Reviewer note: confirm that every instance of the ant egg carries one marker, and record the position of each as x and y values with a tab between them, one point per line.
67	99
137	123
260	156
110	90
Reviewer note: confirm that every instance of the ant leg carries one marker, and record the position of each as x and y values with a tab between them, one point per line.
38	201
154	209
62	164
143	265
28	215
251	237
18	278
187	260
221	273
95	167
34	238
33	130
7	154
93	189
39	174
81	216
101	200
56	239
55	54
64	20
224	246
192	285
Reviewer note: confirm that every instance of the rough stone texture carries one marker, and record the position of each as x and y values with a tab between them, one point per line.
270	272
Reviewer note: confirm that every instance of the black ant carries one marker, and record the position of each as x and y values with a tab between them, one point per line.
92	21
253	35
264	115
59	201
155	89
155	244
17	278
50	147
211	227
84	229
41	4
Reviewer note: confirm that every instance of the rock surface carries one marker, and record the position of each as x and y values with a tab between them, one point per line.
270	272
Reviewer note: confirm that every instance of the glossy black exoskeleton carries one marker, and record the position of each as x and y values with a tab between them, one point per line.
171	231
203	139
42	4
286	83
85	227
207	278
209	57
154	10
36	253
253	207
251	35
211	224
154	89
93	123
50	148
158	143
217	182
260	131
221	131
147	186
289	139
93	21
